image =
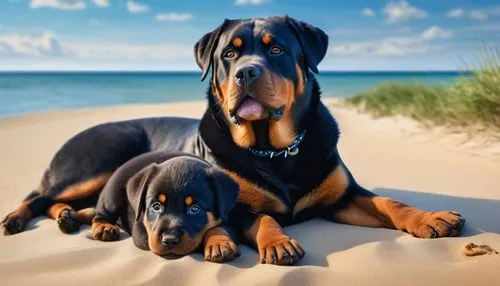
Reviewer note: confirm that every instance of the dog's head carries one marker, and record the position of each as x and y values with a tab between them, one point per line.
261	69
178	201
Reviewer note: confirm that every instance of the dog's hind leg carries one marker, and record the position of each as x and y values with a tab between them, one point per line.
32	206
57	202
68	219
65	216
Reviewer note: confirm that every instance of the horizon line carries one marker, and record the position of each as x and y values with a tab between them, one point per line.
197	71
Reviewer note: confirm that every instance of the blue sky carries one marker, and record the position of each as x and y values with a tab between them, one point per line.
160	34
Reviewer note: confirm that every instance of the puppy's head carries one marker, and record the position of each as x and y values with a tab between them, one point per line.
178	201
260	68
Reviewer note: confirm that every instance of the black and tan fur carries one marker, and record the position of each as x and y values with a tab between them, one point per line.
270	61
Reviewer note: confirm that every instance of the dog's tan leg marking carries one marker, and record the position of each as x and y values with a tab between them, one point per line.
83	189
219	247
327	193
86	215
259	199
105	231
274	246
384	212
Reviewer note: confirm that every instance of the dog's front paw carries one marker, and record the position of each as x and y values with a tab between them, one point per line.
282	251
437	224
219	247
221	251
105	231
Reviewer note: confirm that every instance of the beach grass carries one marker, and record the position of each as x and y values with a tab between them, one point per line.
472	102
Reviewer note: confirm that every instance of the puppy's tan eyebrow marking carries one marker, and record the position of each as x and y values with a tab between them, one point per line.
188	200
266	39
162	198
237	42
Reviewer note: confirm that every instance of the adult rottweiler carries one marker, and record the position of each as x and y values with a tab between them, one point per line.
265	126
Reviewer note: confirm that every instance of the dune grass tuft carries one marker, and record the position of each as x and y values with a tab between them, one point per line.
472	102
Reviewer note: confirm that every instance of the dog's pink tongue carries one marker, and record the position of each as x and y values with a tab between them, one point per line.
251	109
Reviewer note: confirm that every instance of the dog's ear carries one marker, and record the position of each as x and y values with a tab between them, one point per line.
313	41
205	47
225	192
137	188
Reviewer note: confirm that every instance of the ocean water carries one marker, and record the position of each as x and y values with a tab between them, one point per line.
25	92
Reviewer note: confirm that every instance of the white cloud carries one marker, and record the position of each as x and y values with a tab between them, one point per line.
101	3
48	45
174	17
58	4
395	46
368	12
353	48
401	11
435	32
456	13
125	51
250	2
16	45
136	7
479	15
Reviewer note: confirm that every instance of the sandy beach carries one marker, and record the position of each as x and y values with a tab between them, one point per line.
391	157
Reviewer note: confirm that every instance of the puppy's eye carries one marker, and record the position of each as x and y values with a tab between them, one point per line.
276	50
193	209
229	54
156	207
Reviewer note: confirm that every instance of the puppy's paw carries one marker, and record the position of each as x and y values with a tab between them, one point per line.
219	247
104	231
282	251
68	221
13	223
221	251
437	224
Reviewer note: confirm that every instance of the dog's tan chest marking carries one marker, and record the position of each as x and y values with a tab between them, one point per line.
327	193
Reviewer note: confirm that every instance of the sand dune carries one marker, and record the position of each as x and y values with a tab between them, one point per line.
382	155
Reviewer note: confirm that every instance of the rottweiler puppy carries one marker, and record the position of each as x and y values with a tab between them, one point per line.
170	203
265	126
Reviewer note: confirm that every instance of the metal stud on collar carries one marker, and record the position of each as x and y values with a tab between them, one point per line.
291	150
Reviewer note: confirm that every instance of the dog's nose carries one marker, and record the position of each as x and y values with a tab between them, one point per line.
246	74
171	239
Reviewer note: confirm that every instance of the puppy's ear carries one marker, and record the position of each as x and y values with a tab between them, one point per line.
313	41
205	47
225	192
137	188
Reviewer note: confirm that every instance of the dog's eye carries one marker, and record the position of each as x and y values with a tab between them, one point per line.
193	209
276	50
156	207
229	54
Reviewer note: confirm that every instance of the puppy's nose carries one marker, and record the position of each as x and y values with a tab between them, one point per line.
246	74
171	239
